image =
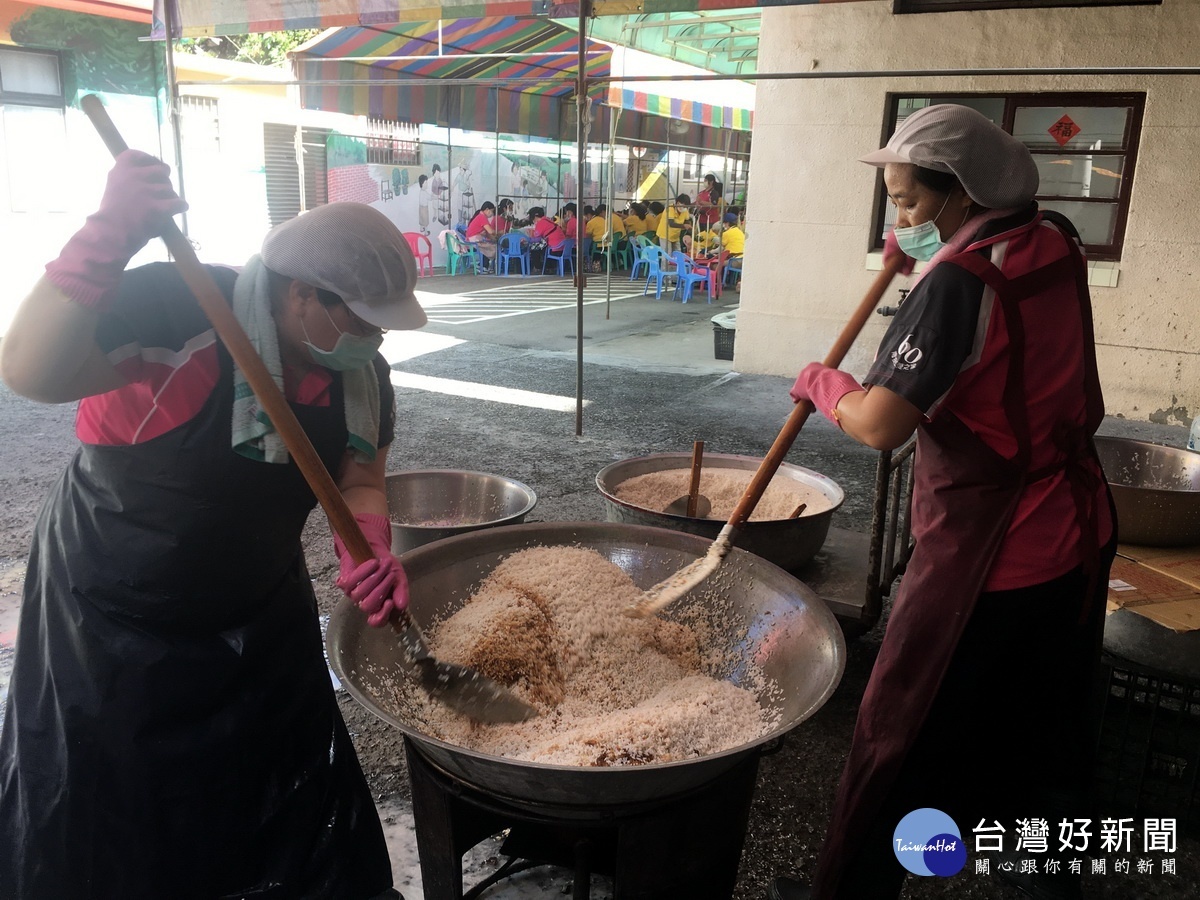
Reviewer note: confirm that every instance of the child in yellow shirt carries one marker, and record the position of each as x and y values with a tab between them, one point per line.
673	224
652	217
636	222
733	239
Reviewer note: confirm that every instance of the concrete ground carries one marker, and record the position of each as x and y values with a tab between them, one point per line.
490	385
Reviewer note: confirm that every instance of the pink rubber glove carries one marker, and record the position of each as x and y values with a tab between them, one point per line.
823	387
138	203
891	247
377	586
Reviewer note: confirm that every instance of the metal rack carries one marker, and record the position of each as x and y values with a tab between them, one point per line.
854	572
891	527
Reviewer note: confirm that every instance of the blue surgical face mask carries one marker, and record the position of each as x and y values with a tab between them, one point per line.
352	351
924	240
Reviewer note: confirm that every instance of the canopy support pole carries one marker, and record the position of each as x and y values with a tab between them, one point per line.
581	129
613	116
170	27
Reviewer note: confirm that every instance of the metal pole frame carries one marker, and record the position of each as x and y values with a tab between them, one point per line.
173	105
614	115
582	121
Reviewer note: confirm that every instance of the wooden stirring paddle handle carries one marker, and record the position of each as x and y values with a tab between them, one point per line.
694	487
787	436
231	333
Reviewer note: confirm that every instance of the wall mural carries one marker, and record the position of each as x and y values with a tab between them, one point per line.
445	189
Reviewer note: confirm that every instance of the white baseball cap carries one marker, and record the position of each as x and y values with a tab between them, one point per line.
356	252
995	169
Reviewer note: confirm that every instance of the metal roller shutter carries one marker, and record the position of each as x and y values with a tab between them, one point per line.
284	182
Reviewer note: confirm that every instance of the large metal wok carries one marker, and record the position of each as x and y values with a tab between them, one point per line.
777	622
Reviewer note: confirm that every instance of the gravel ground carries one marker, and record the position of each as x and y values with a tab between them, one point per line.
631	413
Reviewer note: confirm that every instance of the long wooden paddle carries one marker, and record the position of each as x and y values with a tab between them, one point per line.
460	688
671	589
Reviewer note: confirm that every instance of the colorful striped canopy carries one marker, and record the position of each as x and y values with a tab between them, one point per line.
685	110
198	18
479	75
474	49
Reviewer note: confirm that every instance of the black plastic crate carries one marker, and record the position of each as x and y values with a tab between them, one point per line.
1148	755
723	342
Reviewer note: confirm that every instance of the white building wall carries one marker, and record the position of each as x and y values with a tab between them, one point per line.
228	215
227	191
811	201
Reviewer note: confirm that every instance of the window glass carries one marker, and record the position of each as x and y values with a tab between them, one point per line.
1087	175
22	72
992	107
36	140
1095	222
1072	127
200	125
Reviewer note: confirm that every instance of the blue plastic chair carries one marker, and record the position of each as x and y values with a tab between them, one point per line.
460	254
687	276
733	270
564	257
512	246
638	244
657	268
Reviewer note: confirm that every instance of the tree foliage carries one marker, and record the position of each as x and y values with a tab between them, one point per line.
268	48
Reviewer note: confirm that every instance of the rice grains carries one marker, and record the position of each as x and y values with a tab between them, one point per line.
613	691
723	488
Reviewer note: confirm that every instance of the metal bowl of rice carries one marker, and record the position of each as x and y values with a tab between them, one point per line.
764	631
771	532
430	504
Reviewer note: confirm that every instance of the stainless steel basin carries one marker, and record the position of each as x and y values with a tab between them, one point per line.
430	504
789	543
1156	490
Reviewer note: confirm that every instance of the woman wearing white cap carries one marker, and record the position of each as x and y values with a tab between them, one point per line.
978	702
171	729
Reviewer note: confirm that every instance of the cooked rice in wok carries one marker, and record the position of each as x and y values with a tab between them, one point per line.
613	690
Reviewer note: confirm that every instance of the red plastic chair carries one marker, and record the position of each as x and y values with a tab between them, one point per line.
422	249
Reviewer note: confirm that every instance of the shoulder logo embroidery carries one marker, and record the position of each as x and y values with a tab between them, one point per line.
906	357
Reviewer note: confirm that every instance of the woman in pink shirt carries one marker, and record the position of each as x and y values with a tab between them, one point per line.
481	231
546	229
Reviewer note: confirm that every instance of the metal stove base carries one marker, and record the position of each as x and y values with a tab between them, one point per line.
688	845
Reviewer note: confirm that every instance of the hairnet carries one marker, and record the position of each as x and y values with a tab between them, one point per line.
995	169
356	252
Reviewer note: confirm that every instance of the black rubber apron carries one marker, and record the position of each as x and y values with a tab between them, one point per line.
964	498
171	727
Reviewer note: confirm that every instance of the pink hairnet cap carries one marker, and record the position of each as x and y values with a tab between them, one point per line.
995	169
356	252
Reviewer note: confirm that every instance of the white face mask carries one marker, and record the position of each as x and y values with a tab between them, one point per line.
922	241
352	351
